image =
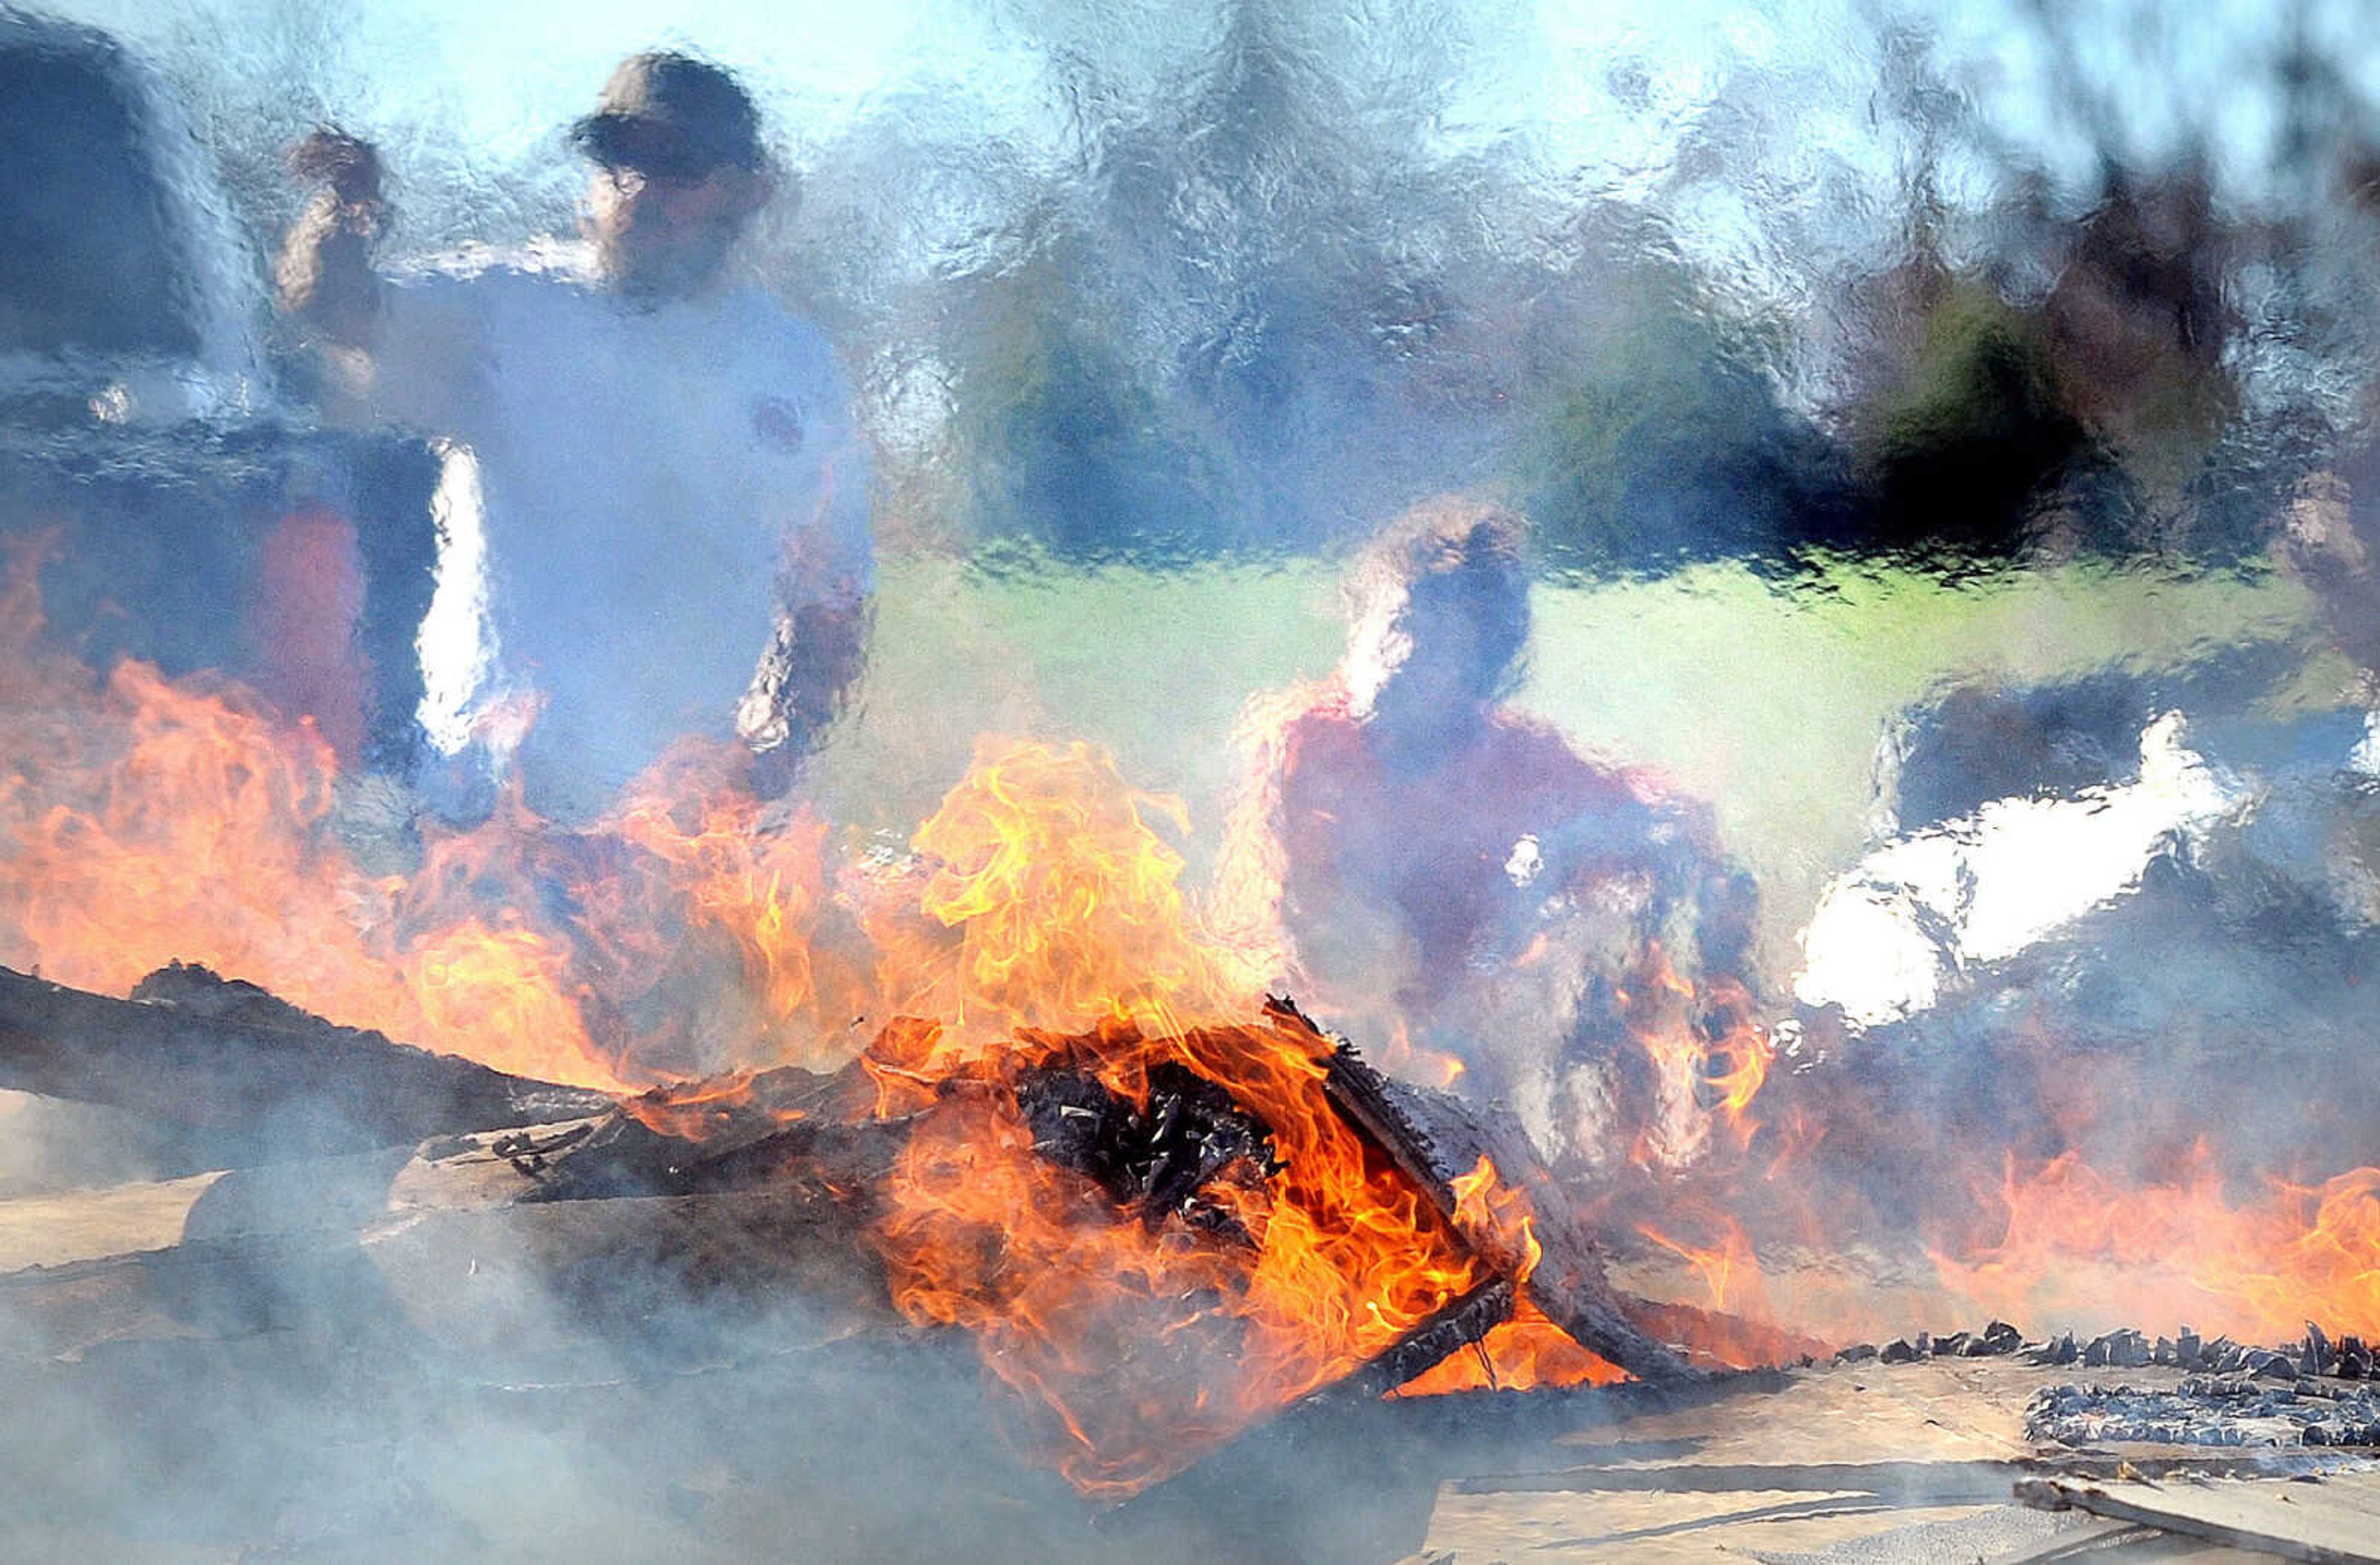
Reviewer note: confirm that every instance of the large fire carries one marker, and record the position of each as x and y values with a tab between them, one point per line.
1147	1346
144	819
1050	927
1041	925
2075	1243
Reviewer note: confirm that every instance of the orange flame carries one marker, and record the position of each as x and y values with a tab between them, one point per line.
1497	1220
1708	1059
1529	1350
1728	1268
1052	901
1519	1354
1148	1348
146	819
2078	1247
697	1110
1044	899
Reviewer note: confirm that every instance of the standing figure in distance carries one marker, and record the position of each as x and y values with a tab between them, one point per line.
1440	869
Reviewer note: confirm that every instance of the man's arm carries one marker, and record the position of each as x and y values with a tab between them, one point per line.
825	587
2322	541
814	656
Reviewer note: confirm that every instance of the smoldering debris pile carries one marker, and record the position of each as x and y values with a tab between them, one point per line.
2348	1358
2208	1410
2315	1391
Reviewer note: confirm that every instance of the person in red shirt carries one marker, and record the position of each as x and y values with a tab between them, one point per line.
1441	872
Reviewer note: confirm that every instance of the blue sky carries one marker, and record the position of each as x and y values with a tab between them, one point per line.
504	76
1810	165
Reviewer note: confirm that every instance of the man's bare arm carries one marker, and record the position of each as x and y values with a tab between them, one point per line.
323	276
2323	539
813	659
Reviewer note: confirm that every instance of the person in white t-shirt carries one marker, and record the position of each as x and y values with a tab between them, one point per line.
655	505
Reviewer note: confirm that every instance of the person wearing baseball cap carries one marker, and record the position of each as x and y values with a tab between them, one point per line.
656	497
679	172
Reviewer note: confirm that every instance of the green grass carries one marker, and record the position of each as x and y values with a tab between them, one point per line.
1765	698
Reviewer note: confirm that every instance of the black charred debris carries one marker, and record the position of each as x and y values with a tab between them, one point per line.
1165	1157
1156	1158
252	1078
2316	1353
2209	1410
2315	1391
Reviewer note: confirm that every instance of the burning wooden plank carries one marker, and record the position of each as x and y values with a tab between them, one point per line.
1286	1220
1460	1324
195	1048
1438	1139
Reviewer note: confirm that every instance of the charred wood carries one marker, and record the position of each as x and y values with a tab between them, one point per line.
450	1243
1156	1158
195	1048
677	1276
707	1138
1361	1398
1435	1137
1459	1326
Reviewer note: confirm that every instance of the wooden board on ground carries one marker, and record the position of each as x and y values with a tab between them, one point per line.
452	1238
477	1267
89	1225
1868	1461
2335	1521
212	1255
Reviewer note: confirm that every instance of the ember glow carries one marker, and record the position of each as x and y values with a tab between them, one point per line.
1497	1220
1050	899
1146	1347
